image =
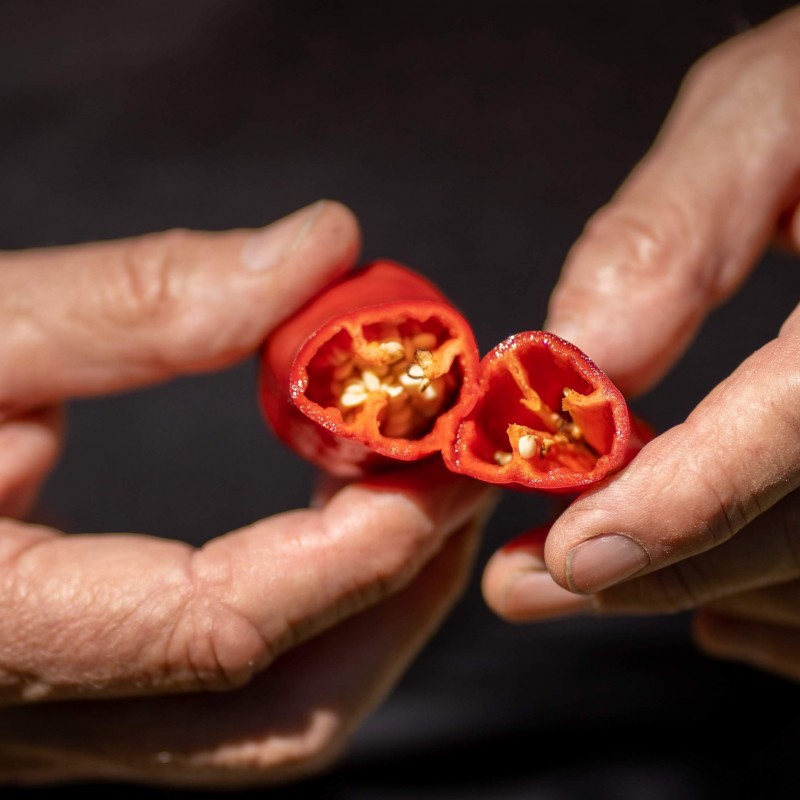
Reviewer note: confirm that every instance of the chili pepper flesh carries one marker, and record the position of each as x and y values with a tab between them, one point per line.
546	418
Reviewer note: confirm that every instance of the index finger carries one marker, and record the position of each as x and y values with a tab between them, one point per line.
686	228
101	317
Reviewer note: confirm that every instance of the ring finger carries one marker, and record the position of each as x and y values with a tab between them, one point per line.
29	447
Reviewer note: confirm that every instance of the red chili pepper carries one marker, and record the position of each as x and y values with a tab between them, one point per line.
547	419
378	367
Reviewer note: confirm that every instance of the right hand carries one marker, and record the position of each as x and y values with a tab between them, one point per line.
707	514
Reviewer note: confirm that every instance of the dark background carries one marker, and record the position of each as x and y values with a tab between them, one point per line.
473	140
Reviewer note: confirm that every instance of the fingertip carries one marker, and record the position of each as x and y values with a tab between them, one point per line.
300	254
336	240
342	220
29	447
568	327
517	587
444	496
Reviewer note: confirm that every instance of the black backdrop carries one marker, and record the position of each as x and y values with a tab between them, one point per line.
473	140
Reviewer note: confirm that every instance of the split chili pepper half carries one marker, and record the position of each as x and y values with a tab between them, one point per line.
380	367
377	368
547	418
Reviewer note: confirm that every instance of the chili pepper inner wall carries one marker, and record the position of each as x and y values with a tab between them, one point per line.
547	418
377	369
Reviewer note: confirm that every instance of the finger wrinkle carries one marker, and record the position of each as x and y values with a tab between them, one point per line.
763	553
690	586
223	643
733	511
215	645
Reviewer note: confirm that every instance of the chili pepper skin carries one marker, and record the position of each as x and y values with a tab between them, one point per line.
377	368
547	419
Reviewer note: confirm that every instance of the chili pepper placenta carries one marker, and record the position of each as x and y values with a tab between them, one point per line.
381	367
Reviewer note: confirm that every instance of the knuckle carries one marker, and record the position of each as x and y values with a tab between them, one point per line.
686	585
719	497
731	506
215	647
645	253
143	290
649	250
226	649
212	644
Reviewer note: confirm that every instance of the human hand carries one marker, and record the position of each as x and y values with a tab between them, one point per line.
252	659
708	514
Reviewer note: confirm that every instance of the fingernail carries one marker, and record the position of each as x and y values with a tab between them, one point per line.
266	248
603	561
530	594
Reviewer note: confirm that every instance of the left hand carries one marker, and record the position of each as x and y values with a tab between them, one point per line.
708	514
250	660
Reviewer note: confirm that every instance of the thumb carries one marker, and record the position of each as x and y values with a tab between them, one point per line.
693	488
686	228
94	318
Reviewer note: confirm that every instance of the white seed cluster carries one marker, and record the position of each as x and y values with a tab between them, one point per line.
402	370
